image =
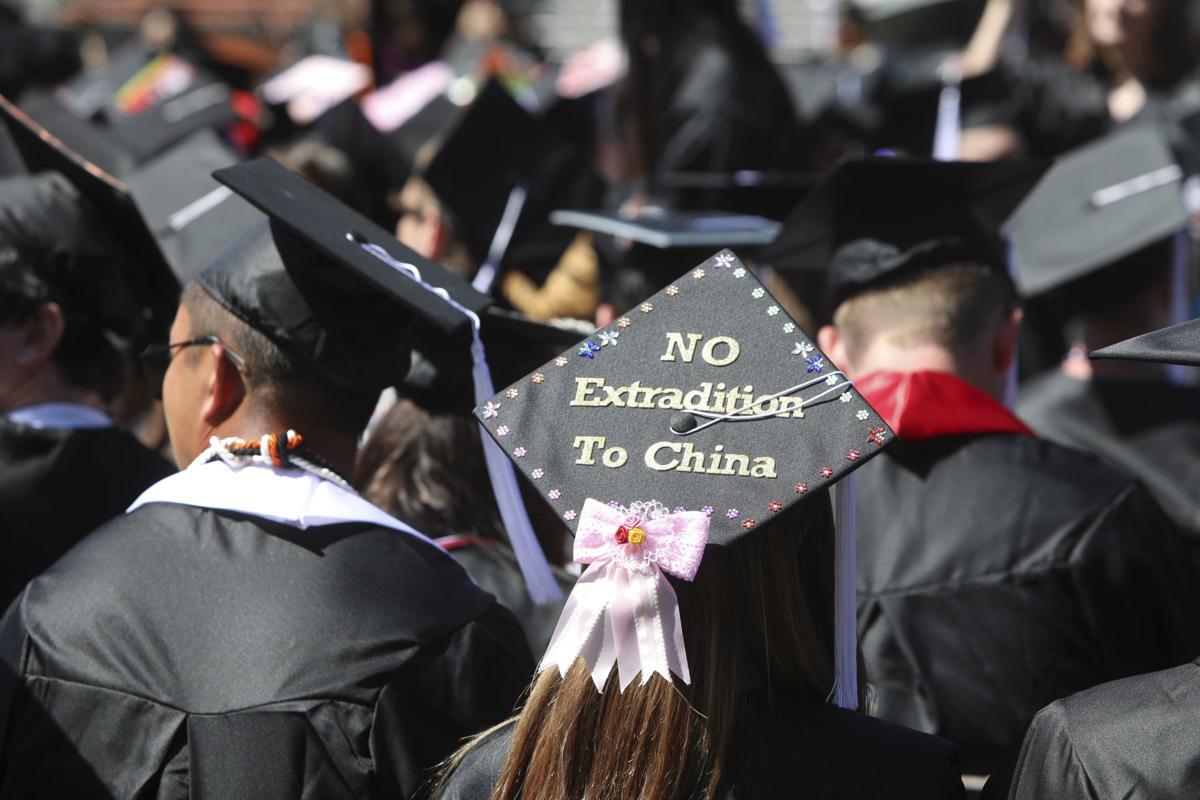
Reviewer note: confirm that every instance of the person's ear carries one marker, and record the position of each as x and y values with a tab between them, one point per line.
1004	345
40	335
225	389
834	347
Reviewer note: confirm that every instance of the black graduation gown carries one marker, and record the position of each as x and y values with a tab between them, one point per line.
181	652
57	486
787	749
998	573
1133	739
1149	428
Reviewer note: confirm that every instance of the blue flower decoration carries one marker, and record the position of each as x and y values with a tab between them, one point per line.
589	349
815	363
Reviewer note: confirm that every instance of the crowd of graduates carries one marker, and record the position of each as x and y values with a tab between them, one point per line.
405	410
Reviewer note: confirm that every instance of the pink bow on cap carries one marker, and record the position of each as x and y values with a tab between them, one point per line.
623	609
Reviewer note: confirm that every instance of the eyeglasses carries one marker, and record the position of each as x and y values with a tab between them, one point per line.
157	357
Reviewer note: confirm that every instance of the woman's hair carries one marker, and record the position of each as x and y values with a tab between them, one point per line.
758	614
1173	43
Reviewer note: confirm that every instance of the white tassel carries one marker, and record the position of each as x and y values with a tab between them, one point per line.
949	123
845	598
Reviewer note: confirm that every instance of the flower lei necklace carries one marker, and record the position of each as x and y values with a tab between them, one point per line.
283	450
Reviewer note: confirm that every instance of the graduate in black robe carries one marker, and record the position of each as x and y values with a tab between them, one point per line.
996	571
1133	738
62	298
253	627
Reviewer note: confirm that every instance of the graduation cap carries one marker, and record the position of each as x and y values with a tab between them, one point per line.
430	124
315	84
766	193
379	165
706	410
192	217
91	91
329	286
665	229
208	103
90	140
500	173
873	218
917	23
43	152
396	104
1178	344
1096	206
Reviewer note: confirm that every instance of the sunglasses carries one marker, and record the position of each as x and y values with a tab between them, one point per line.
157	357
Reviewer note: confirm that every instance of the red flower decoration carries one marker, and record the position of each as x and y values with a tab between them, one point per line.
622	535
854	455
749	523
801	488
775	505
826	472
876	437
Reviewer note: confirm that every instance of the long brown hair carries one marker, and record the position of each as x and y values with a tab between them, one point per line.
759	613
1173	43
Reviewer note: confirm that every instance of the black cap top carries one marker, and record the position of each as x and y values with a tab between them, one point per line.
637	411
207	103
1096	205
91	141
43	152
496	147
306	281
191	215
871	218
1178	344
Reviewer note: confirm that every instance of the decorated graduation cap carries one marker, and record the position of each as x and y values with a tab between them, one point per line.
1178	344
692	421
43	152
873	218
337	291
192	217
1096	207
207	103
500	172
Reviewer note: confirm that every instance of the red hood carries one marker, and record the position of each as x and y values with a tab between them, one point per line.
922	405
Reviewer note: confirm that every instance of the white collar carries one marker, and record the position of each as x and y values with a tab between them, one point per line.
63	416
293	497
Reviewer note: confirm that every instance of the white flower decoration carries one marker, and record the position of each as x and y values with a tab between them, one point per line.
554	494
512	394
831	380
724	260
758	292
788	327
519	452
697	274
863	414
609	339
802	349
740	272
537	473
772	311
672	291
561	361
491	410
846	397
569	516
502	430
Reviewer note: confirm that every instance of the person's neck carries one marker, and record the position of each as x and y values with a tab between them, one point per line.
47	386
884	357
336	447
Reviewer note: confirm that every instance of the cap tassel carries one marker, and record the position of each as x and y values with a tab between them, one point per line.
948	129
845	601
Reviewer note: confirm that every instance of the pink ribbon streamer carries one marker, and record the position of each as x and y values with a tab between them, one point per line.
623	610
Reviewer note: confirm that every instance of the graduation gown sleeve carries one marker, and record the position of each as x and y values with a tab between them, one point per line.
478	668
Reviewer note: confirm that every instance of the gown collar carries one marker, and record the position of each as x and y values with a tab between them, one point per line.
60	416
924	405
292	496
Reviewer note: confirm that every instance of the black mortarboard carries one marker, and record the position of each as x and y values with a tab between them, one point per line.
88	139
764	193
658	411
306	281
42	151
208	103
871	218
88	93
495	148
918	23
669	230
379	165
1178	344
191	215
1096	206
433	121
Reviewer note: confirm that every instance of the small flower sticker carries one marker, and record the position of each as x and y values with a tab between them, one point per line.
877	434
589	349
814	364
846	397
672	291
697	273
537	377
561	361
623	322
707	511
740	272
802	349
491	410
724	260
758	292
732	513
854	455
788	327
863	415
772	311
554	494
512	394
569	516
646	308
502	430
826	472
831	380
749	523
801	488
775	506
537	473
519	452
609	339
